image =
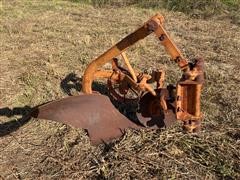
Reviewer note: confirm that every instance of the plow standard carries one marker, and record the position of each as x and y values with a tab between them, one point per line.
158	106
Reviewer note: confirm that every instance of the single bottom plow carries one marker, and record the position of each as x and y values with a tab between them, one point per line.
158	105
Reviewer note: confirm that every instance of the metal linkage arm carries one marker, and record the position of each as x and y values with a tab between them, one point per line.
167	42
110	54
153	25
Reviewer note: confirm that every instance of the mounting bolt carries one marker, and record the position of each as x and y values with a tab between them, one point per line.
151	26
162	37
178	98
177	60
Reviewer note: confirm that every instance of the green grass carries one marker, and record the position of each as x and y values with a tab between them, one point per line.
182	5
194	8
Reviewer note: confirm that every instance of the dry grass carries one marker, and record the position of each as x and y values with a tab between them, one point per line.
43	41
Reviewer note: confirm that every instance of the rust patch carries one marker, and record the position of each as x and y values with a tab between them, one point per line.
94	112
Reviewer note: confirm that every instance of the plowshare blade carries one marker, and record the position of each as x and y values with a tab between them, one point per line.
93	112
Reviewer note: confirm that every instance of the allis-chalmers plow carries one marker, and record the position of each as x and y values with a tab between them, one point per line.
158	106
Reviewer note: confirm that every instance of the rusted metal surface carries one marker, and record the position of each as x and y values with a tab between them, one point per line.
189	95
157	111
129	67
94	112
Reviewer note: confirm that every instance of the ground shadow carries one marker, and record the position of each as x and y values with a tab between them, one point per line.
68	85
14	124
72	83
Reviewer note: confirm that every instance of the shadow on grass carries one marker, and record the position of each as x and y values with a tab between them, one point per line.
73	83
69	84
13	125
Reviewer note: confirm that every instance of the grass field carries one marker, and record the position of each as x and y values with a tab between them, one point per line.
42	42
